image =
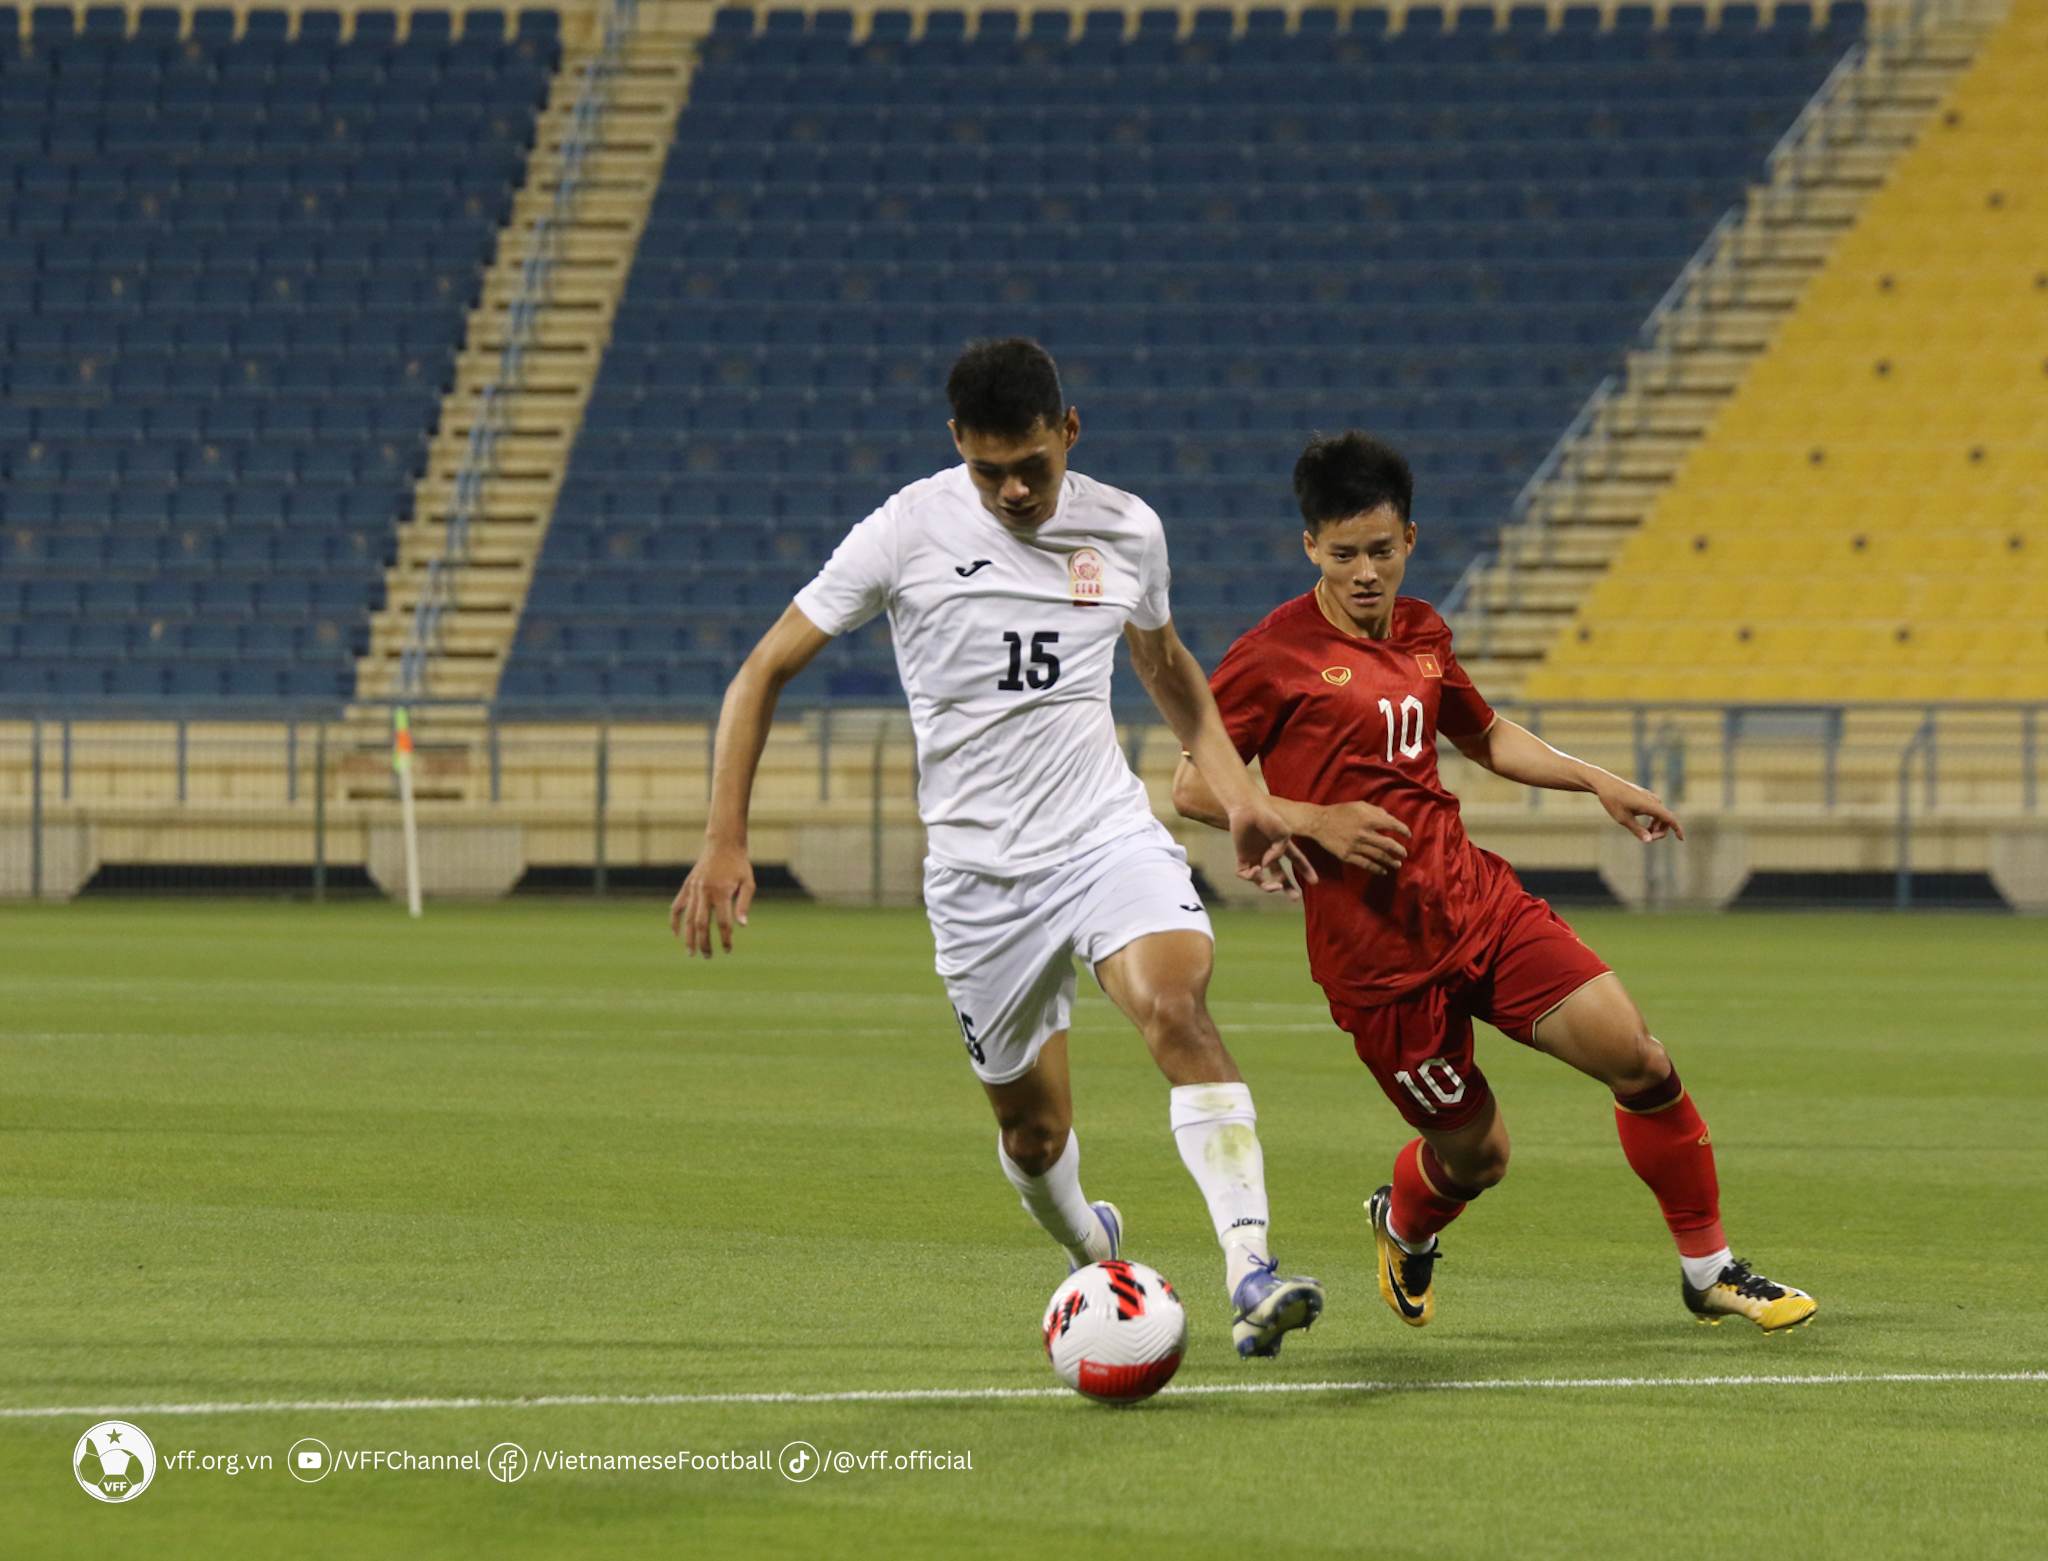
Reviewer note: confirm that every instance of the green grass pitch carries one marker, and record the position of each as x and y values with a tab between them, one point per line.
264	1155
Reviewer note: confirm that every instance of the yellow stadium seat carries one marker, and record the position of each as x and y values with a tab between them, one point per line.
1779	598
1862	683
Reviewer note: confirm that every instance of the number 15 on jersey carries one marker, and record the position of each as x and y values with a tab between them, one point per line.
1044	670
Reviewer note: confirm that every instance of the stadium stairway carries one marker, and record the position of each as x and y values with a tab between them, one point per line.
1863	521
1720	317
640	94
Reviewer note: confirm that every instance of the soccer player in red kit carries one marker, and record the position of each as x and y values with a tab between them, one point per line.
1413	931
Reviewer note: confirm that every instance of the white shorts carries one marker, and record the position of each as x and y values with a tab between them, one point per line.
1006	946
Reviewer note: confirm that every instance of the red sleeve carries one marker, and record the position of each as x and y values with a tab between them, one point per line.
1243	686
1462	711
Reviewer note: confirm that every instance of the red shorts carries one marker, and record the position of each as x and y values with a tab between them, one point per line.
1419	1047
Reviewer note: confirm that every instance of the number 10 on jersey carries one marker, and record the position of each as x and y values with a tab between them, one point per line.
1404	727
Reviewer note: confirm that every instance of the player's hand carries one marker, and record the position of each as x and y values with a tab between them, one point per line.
1263	845
1629	805
1361	835
720	888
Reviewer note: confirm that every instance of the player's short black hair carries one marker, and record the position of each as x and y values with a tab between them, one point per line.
1006	387
1341	475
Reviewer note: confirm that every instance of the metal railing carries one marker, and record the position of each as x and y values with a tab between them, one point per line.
536	277
1922	747
602	802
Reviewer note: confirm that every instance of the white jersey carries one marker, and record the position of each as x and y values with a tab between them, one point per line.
1005	642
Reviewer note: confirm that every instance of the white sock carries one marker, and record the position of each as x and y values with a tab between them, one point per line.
1404	1244
1216	1129
1700	1272
1056	1202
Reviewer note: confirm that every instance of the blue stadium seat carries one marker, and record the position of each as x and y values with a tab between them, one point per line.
428	30
1050	26
1103	29
52	26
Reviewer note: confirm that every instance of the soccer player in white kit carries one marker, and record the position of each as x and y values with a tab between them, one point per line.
1007	581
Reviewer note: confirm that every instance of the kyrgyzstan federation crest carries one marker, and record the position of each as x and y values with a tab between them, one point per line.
1085	571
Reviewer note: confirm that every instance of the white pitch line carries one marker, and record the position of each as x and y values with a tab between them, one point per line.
978	1395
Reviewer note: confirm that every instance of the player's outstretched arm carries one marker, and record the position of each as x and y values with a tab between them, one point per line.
1515	753
721	885
1174	679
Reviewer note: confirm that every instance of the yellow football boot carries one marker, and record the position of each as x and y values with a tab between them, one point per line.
1406	1278
1742	1292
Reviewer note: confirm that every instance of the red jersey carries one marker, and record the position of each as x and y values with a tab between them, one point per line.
1333	718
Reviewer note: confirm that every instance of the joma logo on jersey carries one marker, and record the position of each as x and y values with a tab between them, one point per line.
1084	576
1429	666
1336	677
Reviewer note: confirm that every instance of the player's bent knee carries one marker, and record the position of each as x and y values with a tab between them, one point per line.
1641	1063
1477	1166
1179	1021
1034	1144
1475	1156
1488	1168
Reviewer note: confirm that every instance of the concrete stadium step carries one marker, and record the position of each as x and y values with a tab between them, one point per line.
1702	370
1809	203
419	546
572	288
558	332
1516	634
1576	549
1671	420
1545	592
1497	677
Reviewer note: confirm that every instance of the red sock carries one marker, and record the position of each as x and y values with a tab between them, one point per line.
1426	1197
1668	1146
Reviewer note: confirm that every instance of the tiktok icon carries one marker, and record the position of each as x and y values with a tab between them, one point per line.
798	1462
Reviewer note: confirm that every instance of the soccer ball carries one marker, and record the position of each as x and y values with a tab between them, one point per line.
1114	1331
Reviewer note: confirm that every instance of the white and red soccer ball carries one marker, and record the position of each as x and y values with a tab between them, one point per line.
1115	1331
